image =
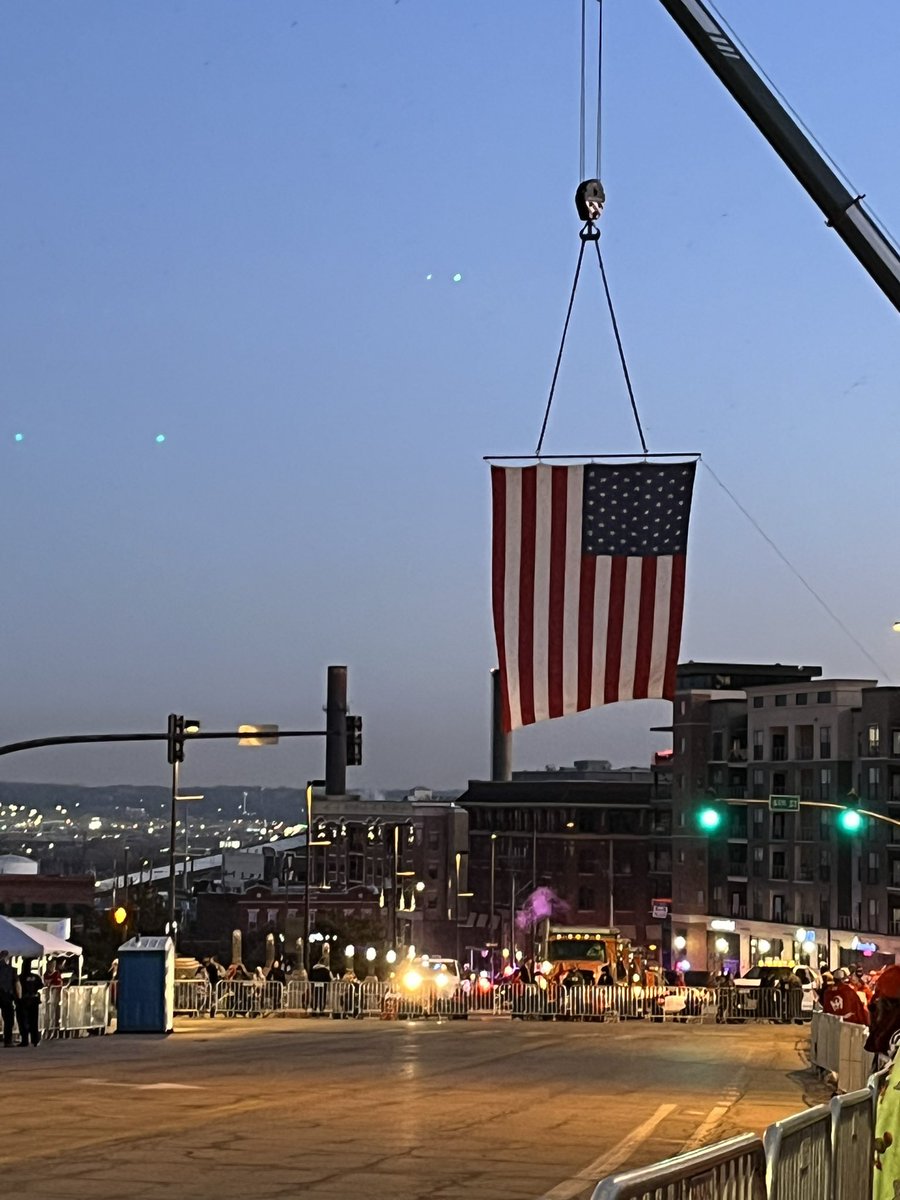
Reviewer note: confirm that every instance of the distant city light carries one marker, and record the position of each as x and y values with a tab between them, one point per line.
19	437
457	278
160	438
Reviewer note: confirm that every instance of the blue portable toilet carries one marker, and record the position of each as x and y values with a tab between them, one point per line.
145	998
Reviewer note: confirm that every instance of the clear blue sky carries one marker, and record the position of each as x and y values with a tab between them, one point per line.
217	222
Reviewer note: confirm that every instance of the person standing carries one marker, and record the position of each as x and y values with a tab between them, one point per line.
28	1004
9	993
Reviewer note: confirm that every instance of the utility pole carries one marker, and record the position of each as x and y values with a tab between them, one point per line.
336	732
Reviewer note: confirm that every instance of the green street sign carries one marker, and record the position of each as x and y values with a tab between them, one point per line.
784	803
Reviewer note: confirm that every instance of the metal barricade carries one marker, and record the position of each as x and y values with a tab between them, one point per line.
798	1156
249	997
371	997
854	1061
50	1019
731	1170
852	1145
191	997
344	998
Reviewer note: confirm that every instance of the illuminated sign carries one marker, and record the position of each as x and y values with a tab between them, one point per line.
722	926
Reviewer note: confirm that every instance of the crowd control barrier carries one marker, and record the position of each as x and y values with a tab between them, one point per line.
77	1009
732	1170
798	1156
824	1153
248	997
192	997
852	1139
838	1049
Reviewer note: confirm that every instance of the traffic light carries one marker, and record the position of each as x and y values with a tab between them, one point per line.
178	727
175	739
118	916
354	741
710	814
709	818
849	819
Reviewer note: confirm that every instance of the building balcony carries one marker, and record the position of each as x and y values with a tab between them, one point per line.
778	873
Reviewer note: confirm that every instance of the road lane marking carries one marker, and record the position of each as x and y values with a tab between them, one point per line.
144	1087
701	1134
610	1161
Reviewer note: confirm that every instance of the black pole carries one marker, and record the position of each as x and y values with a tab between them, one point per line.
172	817
336	732
501	741
306	885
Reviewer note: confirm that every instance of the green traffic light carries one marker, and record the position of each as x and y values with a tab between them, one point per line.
709	819
850	820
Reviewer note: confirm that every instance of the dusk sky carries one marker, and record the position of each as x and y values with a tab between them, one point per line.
236	225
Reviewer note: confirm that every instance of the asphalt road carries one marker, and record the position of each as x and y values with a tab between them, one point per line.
390	1111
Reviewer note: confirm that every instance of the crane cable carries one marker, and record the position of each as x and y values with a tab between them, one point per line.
589	201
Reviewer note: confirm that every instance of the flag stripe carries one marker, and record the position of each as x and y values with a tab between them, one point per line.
557	598
572	618
617	577
600	622
526	595
645	628
676	609
511	592
498	564
660	647
543	516
630	612
585	632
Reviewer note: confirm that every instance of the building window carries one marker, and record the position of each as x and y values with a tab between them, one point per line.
825	783
777	832
680	857
759	815
717	895
873	915
800	698
585	899
873	741
779	747
824	866
252	918
682	745
895	742
718	746
823	697
874	782
781	701
759	853
758	701
779	910
681	820
758	745
895	786
872	873
779	865
824	741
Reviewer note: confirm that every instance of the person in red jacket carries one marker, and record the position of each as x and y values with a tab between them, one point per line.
841	1000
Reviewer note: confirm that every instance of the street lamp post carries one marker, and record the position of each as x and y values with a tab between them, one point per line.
311	783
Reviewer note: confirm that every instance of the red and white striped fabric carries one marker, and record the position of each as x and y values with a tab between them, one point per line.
588	584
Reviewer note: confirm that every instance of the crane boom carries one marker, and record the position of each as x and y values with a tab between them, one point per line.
843	211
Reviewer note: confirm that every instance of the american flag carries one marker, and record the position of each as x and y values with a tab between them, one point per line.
588	584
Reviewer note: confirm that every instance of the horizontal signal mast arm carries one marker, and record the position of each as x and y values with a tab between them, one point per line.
843	211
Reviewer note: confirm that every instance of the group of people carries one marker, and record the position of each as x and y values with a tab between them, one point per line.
20	998
847	994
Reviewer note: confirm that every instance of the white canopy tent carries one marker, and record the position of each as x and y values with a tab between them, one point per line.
27	941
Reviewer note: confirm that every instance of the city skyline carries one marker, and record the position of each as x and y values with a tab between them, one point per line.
242	236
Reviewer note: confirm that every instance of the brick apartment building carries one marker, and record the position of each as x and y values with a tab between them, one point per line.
790	885
599	837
